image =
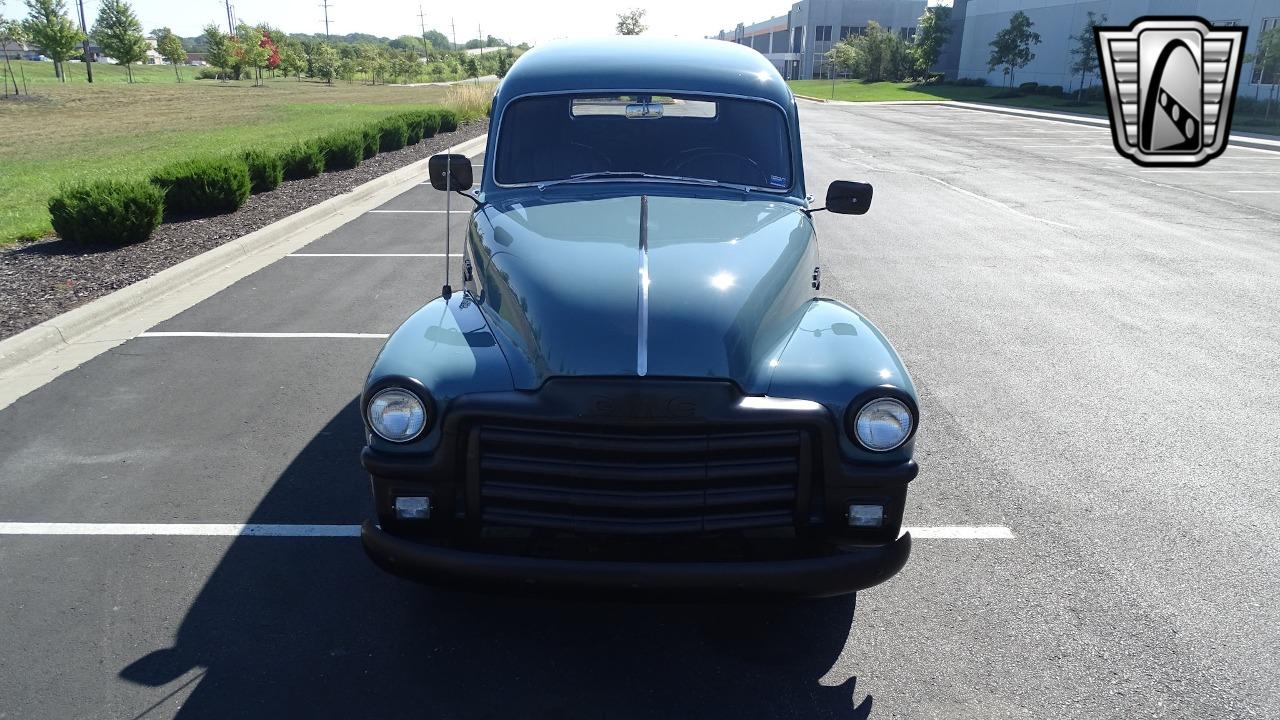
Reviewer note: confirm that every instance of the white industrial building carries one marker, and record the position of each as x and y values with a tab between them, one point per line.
978	21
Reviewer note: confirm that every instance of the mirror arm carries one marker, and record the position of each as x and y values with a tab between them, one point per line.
470	197
811	211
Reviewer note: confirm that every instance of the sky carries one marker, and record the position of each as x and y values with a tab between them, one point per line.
512	20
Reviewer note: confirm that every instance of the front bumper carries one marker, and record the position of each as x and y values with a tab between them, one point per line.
801	545
843	571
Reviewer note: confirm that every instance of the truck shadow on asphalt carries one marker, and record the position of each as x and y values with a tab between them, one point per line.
290	627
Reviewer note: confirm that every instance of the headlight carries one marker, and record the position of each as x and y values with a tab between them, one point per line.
397	415
882	424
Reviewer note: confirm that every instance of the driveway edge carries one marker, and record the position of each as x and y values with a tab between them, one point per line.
40	353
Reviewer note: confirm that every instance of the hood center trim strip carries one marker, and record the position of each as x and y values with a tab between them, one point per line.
642	293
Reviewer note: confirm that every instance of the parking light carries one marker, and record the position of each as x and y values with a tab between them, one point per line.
866	516
413	508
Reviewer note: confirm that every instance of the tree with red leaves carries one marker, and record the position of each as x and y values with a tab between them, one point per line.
273	52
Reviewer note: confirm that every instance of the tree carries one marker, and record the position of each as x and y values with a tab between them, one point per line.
219	50
324	61
932	35
170	48
436	40
504	64
292	61
10	32
1266	63
250	50
1085	51
119	34
631	22
48	26
873	56
1012	46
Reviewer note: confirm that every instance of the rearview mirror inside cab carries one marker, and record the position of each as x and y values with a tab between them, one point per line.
450	172
849	198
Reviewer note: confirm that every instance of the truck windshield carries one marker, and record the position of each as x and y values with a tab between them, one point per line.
611	137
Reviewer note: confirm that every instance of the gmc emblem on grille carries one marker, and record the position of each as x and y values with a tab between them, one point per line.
642	407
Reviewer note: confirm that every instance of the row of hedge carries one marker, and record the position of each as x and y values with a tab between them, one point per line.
120	212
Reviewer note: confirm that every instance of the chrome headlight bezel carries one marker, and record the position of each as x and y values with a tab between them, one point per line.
405	389
891	397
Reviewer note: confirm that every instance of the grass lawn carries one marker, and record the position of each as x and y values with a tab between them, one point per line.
39	74
858	91
76	131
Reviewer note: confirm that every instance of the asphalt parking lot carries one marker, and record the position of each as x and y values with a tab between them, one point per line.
1095	346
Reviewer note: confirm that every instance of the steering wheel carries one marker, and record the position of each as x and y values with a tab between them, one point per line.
742	166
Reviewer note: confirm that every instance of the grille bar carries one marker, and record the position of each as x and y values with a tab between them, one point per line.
636	481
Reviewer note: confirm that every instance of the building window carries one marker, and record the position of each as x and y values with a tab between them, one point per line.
823	33
1257	76
907	34
851	30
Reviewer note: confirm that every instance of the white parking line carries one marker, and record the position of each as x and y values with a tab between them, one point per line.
331	255
200	529
1255	192
961	532
423	212
1073	145
152	334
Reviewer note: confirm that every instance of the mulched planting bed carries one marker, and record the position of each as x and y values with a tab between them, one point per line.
42	279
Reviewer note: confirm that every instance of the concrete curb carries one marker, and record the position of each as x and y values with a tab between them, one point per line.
41	353
1249	140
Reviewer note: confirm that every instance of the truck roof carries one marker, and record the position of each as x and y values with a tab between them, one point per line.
640	63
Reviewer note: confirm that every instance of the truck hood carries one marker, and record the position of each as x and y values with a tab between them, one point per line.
564	286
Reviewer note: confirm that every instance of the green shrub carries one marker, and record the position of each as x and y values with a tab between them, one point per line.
413	122
303	160
266	171
448	120
343	150
1028	87
107	211
393	134
204	187
372	133
430	123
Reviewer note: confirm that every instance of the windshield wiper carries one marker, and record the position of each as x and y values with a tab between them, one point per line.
638	174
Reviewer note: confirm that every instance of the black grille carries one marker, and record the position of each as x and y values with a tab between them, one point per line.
637	483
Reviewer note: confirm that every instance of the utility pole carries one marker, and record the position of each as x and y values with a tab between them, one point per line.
326	6
480	34
88	64
231	20
422	21
453	28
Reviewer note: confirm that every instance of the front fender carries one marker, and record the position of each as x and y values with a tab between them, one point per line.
449	349
833	356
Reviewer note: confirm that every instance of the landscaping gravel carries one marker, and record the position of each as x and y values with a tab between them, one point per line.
42	279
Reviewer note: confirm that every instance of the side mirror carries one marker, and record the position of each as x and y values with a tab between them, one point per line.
450	172
849	198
